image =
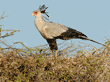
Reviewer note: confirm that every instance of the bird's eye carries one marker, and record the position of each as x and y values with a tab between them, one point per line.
35	12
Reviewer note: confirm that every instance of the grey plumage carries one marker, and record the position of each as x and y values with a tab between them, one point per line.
52	31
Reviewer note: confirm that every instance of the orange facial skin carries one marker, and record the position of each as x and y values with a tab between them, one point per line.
35	13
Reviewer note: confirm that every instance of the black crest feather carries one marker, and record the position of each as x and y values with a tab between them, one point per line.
43	9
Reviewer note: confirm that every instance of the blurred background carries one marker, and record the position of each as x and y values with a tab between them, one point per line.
89	17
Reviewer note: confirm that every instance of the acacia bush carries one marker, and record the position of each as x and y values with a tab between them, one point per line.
35	65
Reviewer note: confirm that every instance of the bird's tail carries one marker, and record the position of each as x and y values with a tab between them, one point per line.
86	38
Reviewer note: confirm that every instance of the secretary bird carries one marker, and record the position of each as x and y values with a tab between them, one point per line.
52	31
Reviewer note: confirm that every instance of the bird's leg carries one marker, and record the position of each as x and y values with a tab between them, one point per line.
51	53
56	53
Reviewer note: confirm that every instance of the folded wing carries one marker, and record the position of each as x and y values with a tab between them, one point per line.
59	31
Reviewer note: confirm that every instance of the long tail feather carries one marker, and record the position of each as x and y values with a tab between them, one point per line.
92	40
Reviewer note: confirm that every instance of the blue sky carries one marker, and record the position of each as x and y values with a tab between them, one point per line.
91	17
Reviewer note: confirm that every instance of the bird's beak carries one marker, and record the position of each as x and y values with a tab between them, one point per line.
32	14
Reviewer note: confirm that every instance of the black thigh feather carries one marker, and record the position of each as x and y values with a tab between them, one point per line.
52	44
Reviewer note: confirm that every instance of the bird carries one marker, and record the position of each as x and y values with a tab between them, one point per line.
52	31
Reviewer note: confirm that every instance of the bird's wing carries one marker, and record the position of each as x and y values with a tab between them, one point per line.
53	29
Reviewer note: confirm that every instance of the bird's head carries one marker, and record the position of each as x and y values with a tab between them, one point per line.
38	12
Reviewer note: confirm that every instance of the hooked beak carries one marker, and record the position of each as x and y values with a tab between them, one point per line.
32	14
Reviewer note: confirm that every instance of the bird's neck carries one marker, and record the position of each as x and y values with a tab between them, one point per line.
39	22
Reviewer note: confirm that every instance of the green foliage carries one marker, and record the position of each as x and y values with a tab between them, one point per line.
11	32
